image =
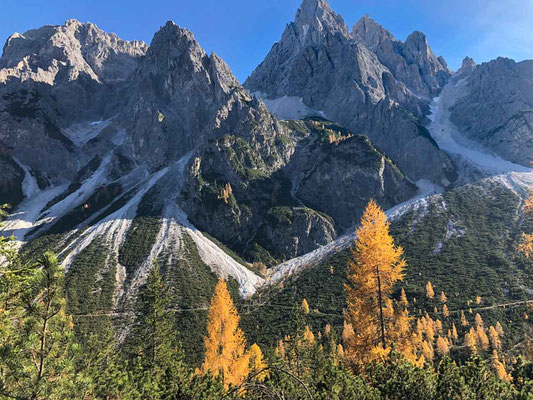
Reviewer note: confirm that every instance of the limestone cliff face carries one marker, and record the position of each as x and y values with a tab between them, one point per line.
318	60
496	108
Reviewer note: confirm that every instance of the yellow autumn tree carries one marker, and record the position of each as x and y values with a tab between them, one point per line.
257	363
499	367
494	338
305	306
372	320
454	332
445	311
443	297
526	245
464	322
471	341
225	344
442	346
430	292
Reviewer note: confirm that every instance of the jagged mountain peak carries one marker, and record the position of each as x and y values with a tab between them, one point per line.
179	61
82	49
370	32
319	15
467	66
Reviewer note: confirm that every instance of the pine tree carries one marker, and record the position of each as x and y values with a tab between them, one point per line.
373	321
225	345
153	342
430	293
45	345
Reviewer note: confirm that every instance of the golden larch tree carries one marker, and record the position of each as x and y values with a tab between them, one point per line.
445	311
499	367
494	338
526	246
464	322
442	346
430	292
257	363
305	306
482	338
471	341
403	299
225	344
372	320
443	297
454	332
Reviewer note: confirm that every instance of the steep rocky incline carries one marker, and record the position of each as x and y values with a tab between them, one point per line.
318	61
495	108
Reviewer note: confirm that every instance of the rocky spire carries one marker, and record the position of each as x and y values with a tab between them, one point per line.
371	33
319	15
467	66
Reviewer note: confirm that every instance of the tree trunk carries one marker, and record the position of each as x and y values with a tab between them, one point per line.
380	302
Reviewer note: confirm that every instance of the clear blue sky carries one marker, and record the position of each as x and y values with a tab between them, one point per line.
242	31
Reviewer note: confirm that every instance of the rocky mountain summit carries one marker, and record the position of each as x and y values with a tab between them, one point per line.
342	76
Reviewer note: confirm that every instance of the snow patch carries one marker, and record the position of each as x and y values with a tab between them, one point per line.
82	132
288	107
450	139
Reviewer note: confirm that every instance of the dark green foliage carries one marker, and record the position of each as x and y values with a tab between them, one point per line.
142	232
34	248
191	285
138	243
269	315
90	285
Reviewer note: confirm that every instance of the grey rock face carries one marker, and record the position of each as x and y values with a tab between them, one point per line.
412	63
497	107
55	54
340	178
53	77
340	76
275	208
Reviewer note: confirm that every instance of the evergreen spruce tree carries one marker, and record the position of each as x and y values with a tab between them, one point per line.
155	355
